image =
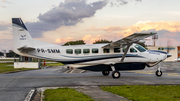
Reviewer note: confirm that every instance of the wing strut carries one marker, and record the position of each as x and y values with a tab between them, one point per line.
124	55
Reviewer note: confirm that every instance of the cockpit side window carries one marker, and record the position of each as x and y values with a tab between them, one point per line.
140	48
124	49
132	50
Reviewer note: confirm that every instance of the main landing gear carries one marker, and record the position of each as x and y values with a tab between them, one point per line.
159	72
115	74
105	73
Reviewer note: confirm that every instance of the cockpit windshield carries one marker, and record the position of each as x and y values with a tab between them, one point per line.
140	48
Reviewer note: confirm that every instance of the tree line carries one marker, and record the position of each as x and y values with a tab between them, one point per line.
81	42
10	54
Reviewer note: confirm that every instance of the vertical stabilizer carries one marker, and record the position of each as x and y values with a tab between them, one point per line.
21	36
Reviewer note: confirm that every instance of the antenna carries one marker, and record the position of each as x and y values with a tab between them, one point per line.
154	38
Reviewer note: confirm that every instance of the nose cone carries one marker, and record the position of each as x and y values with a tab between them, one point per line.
168	55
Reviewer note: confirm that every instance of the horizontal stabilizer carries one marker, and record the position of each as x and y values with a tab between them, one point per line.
26	48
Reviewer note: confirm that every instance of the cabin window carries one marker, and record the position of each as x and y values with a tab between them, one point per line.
132	50
86	51
69	51
106	50
77	51
95	50
117	50
140	48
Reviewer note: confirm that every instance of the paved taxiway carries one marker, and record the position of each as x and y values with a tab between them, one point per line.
15	86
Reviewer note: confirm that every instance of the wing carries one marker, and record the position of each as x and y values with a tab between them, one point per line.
134	38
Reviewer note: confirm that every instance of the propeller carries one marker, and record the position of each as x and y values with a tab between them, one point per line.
169	43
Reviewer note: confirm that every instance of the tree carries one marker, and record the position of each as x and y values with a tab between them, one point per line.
11	54
101	41
1	54
78	42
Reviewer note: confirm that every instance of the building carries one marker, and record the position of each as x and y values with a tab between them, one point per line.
26	62
173	50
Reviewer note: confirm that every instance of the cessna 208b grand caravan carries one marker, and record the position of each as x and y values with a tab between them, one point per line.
124	54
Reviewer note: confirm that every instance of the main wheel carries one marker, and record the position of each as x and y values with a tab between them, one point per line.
105	73
158	73
116	74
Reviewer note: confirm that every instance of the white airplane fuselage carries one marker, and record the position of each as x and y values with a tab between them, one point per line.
59	54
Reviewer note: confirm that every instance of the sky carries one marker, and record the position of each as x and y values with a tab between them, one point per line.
59	21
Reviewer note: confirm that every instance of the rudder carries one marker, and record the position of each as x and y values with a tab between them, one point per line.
21	36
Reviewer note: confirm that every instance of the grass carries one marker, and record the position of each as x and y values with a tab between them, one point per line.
146	93
7	60
7	68
65	94
54	64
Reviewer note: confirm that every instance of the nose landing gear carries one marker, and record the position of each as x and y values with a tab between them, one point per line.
159	72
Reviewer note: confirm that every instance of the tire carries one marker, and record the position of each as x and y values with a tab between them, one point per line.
116	74
158	73
105	73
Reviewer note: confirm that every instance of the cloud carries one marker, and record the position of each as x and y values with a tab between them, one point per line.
63	40
138	0
4	26
167	42
107	29
165	29
68	13
89	39
171	12
3	6
6	44
170	26
122	2
6	1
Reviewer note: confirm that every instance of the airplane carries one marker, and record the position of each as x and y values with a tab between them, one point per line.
123	54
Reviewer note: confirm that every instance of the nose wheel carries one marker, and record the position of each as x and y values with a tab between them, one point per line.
159	72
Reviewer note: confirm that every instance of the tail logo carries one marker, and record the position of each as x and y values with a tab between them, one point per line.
23	37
